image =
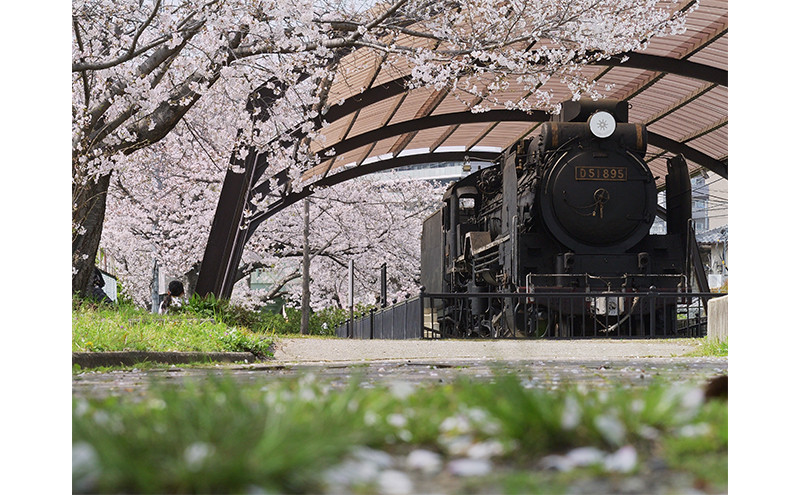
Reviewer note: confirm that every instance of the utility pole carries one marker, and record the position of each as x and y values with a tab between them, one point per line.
306	297
154	286
351	295
383	285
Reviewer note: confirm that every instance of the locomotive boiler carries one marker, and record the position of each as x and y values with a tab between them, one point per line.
569	211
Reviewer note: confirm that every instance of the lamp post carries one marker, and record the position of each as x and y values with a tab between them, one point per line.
350	297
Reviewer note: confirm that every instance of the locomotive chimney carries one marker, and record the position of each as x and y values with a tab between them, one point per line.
579	111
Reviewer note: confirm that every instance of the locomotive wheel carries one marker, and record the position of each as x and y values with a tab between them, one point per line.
568	326
537	323
540	323
513	321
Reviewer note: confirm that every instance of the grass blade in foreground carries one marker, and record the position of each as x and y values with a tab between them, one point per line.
300	436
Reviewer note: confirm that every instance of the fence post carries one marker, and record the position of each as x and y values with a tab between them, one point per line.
652	296
371	323
422	312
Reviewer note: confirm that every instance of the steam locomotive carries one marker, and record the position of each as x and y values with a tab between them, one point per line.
567	212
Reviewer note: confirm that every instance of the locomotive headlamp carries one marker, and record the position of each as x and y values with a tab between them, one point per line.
602	124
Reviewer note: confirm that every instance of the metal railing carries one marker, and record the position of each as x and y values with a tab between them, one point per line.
545	315
399	321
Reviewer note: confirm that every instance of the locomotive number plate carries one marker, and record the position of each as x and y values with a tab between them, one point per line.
601	173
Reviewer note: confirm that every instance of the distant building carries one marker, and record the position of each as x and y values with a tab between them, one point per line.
709	204
714	252
710	216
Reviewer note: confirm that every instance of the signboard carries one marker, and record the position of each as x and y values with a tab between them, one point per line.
601	173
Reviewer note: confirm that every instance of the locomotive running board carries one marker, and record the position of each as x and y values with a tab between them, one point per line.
492	244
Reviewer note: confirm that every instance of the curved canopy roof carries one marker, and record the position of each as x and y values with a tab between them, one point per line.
677	87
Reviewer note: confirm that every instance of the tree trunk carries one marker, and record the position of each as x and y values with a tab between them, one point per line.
88	212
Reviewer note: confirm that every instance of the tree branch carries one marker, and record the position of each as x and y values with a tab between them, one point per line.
132	51
76	28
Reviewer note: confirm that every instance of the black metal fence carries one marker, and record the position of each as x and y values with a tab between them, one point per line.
547	315
399	321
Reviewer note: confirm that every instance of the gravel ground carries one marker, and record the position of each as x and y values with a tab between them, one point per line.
543	364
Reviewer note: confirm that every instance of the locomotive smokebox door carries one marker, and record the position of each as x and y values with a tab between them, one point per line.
597	195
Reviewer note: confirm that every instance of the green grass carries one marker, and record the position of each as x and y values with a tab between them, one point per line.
223	436
711	348
99	328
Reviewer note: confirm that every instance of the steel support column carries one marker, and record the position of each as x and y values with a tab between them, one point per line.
226	239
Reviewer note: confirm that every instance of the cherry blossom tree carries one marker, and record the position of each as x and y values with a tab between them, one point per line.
144	70
155	214
364	220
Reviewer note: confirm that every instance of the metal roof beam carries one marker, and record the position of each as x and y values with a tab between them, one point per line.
635	60
692	154
431	121
360	171
670	65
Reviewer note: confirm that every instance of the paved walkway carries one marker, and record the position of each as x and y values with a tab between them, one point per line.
300	350
332	350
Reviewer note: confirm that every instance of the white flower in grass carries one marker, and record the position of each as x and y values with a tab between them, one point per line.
401	390
612	429
397	420
637	406
196	454
307	394
580	457
571	415
691	401
621	461
477	416
470	467
458	445
362	466
698	430
585	456
424	460
370	418
485	450
648	432
455	425
393	482
350	472
102	418
81	407
85	467
378	457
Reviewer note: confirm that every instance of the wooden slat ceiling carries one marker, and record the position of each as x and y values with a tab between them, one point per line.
686	110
